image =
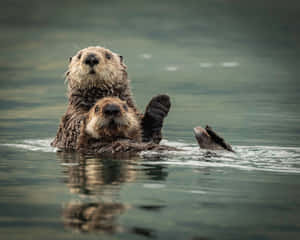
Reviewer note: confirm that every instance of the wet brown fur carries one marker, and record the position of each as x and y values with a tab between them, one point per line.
97	137
84	89
97	127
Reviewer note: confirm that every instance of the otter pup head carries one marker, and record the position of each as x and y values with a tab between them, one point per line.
111	119
95	67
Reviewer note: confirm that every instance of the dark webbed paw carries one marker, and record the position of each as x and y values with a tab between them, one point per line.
152	122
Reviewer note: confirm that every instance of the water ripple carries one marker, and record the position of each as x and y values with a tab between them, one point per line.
262	158
249	158
41	145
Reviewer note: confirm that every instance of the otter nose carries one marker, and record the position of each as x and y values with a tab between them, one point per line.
91	60
111	109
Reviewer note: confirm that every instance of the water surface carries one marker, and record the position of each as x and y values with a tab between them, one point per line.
231	64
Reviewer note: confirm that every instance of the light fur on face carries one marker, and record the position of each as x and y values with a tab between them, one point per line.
125	124
110	71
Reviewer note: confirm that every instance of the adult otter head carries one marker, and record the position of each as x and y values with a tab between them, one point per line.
95	67
111	119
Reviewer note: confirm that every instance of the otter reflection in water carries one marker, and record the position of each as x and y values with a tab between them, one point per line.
92	217
101	179
91	176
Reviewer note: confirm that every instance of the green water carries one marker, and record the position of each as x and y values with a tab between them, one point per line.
231	64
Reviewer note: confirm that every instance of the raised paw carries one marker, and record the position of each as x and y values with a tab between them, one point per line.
158	108
152	122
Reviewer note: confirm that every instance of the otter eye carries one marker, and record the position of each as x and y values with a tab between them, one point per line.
79	56
121	58
108	56
96	109
125	107
70	59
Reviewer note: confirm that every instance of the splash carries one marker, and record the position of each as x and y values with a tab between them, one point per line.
248	158
41	145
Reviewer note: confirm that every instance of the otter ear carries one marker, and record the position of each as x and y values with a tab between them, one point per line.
122	62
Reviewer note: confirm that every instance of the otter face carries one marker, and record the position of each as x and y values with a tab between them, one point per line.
95	67
111	118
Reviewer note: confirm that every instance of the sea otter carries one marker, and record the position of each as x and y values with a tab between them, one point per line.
95	73
111	126
109	120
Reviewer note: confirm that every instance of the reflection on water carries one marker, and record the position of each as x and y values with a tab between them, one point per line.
153	195
102	178
93	175
91	217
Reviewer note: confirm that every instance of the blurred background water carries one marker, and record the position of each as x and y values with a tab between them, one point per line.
231	64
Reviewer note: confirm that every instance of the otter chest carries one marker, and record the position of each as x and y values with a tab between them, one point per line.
84	99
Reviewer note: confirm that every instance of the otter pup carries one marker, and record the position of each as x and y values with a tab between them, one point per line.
111	126
95	73
109	120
